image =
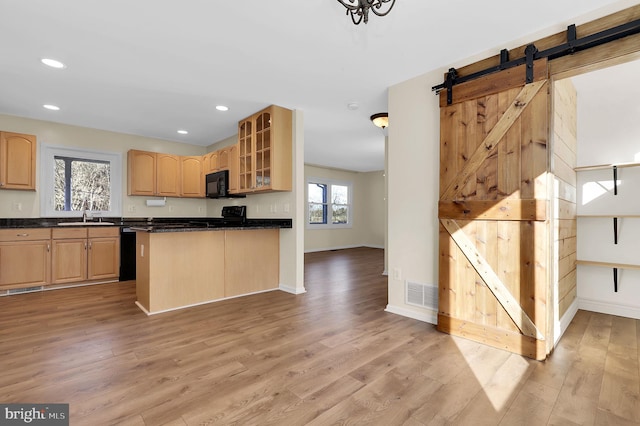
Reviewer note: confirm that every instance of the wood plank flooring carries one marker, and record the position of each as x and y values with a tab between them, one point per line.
330	356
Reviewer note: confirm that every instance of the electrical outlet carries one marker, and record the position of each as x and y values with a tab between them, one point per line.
200	209
170	208
286	207
131	208
274	208
17	207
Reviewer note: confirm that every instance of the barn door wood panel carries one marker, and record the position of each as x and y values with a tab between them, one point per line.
494	227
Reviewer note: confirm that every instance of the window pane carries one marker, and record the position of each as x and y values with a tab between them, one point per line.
317	213
340	214
59	174
82	184
339	194
317	193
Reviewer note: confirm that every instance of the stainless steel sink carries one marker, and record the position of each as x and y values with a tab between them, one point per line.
85	223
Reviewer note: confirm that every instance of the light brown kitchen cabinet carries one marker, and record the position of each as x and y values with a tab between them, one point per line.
85	254
265	151
104	253
167	175
153	174
69	252
233	168
192	177
17	161
25	257
210	162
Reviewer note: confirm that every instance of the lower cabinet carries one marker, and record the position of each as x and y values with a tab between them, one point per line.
179	269
82	254
25	257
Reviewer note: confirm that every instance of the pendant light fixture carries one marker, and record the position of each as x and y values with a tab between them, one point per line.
359	9
381	119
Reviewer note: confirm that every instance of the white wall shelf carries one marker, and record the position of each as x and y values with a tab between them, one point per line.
605	166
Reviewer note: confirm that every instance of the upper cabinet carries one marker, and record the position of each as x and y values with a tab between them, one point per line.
210	162
17	161
153	174
265	151
223	159
192	177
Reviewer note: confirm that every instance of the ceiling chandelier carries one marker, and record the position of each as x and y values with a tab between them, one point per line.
359	9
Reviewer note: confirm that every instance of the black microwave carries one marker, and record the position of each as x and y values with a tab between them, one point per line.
217	184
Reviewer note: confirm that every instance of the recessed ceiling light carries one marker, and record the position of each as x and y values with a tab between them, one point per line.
51	107
53	63
222	108
183	132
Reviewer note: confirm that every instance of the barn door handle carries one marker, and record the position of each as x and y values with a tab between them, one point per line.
615	230
615	180
615	280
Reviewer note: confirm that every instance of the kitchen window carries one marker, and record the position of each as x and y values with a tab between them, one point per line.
77	180
329	204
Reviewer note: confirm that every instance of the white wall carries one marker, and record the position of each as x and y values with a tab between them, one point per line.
368	212
595	237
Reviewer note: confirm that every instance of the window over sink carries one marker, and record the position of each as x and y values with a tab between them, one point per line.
76	180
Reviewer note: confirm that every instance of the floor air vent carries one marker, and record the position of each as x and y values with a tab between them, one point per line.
24	290
421	295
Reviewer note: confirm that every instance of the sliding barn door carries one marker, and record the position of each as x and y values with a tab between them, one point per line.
494	233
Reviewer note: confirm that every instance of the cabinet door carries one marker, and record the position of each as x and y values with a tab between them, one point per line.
245	156
168	175
192	177
17	161
233	169
263	151
69	260
104	258
141	171
24	264
210	162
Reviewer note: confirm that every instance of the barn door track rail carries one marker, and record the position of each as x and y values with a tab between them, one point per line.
572	45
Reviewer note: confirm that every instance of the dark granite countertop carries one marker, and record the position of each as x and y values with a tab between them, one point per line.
174	224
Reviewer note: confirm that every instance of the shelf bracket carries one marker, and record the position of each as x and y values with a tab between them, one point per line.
615	230
615	180
615	280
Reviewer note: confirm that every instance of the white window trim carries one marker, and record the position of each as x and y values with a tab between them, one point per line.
47	180
329	182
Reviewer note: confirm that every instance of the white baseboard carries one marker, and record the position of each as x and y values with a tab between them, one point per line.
609	308
428	315
565	321
292	290
341	248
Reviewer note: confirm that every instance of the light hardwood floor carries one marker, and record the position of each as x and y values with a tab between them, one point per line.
330	356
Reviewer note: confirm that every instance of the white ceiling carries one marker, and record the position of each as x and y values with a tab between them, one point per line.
151	67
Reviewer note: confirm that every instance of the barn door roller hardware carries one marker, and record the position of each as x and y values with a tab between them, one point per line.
572	45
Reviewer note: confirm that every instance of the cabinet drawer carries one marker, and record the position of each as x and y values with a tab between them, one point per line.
25	234
68	233
109	231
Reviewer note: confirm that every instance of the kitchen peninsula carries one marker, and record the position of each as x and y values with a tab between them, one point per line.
182	265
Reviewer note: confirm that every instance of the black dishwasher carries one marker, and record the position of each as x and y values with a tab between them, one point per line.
127	254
